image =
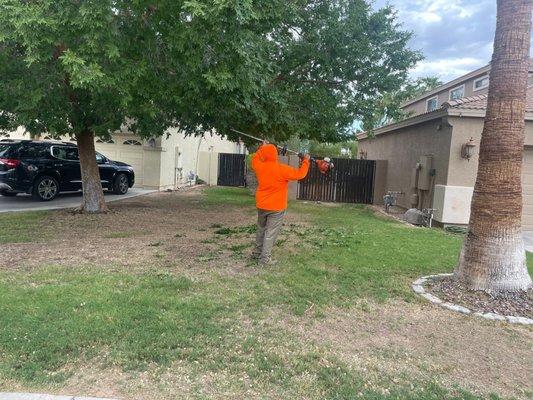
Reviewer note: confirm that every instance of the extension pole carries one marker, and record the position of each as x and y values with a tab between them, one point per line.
262	140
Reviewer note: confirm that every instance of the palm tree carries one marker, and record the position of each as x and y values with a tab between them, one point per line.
493	256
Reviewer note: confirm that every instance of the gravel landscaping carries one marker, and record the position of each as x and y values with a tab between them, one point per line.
516	304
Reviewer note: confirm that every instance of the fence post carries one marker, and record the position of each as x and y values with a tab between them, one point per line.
380	181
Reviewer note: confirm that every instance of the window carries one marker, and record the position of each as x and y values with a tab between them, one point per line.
72	154
431	104
105	141
100	159
457	93
5	150
132	142
481	83
65	153
32	150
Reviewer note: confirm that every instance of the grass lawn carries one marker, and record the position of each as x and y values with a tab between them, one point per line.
20	227
336	319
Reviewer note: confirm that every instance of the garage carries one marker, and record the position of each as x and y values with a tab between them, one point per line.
127	150
527	189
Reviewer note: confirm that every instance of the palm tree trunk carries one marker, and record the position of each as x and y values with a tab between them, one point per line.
93	194
493	256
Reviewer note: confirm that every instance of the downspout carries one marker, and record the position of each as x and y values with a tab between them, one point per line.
197	158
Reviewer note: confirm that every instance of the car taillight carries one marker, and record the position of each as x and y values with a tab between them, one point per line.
9	162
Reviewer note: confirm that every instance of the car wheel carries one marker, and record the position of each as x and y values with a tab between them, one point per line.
45	188
8	194
121	184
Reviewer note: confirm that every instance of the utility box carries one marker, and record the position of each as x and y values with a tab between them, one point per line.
425	172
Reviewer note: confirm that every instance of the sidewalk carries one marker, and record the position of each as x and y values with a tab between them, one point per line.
36	396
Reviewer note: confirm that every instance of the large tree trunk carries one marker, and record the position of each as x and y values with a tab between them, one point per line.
493	256
93	194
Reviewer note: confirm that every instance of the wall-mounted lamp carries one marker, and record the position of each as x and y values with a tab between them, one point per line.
467	150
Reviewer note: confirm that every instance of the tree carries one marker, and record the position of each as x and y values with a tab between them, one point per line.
74	68
493	257
305	68
389	110
329	63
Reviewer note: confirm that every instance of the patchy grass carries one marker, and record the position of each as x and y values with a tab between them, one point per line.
257	333
228	196
22	227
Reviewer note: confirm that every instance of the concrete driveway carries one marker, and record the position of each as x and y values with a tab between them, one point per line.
24	202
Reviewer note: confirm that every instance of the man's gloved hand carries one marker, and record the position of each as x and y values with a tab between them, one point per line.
304	156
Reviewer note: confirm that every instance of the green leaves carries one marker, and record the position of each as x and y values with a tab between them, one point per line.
81	73
300	68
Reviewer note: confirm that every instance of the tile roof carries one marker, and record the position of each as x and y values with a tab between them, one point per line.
479	102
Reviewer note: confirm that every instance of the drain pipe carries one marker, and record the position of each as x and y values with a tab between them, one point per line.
197	158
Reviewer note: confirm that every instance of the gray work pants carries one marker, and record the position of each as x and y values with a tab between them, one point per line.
268	226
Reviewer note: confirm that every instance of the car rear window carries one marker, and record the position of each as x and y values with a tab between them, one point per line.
5	150
33	151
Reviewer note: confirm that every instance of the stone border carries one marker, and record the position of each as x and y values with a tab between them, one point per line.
418	288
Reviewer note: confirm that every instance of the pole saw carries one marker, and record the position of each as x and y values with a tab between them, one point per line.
323	165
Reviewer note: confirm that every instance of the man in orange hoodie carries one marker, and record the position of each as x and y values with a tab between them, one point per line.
271	196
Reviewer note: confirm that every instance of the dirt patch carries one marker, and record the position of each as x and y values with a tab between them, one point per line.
174	232
518	304
404	342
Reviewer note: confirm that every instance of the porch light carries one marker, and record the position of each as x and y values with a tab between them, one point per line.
467	151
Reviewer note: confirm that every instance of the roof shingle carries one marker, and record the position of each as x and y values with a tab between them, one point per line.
479	102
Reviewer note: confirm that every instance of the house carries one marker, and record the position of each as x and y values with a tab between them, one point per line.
432	155
165	162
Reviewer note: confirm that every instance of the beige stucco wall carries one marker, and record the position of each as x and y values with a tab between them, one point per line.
184	152
462	172
420	106
455	176
404	148
443	96
208	167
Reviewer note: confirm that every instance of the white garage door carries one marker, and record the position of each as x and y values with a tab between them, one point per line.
126	150
527	189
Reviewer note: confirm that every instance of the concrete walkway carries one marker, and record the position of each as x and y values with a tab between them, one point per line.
36	396
24	202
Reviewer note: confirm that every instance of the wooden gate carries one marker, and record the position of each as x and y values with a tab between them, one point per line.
351	181
231	169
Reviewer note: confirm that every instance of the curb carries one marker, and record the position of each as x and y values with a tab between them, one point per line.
418	288
37	396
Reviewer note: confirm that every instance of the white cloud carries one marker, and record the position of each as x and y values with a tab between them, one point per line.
447	68
420	12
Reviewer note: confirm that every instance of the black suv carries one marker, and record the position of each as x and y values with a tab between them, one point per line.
44	169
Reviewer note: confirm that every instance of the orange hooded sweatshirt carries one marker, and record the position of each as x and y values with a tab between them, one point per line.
274	178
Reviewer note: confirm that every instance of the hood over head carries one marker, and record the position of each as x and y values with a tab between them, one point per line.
268	152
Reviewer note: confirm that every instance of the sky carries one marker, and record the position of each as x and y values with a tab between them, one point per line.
455	36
